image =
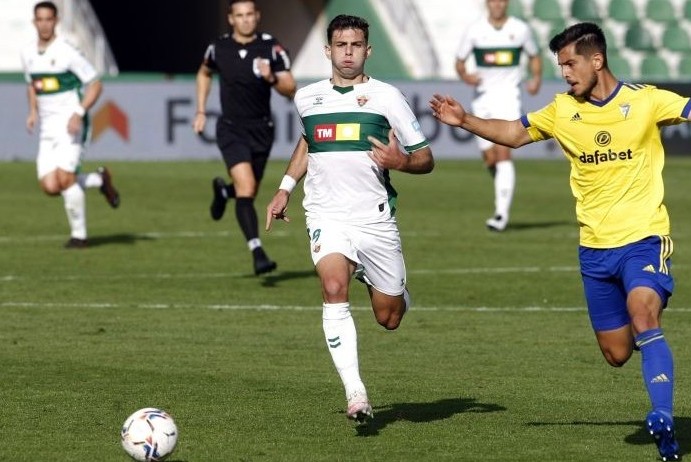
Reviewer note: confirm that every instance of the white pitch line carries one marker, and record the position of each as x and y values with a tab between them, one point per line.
181	234
315	307
265	307
518	269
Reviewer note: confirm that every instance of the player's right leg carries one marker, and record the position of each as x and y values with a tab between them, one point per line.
246	214
56	164
339	331
498	161
332	254
504	105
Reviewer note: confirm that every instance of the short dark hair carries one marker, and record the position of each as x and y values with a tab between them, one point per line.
588	37
233	2
344	21
50	5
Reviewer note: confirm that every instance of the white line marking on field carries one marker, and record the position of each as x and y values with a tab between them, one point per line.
316	307
143	235
518	269
180	234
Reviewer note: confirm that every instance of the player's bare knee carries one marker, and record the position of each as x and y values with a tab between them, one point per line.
617	358
51	189
334	290
390	322
388	319
644	322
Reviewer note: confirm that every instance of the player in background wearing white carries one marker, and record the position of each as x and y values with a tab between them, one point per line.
351	127
497	43
55	72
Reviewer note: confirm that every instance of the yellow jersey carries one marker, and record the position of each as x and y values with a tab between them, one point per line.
616	156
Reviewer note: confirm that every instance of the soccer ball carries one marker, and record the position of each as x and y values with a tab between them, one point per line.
149	435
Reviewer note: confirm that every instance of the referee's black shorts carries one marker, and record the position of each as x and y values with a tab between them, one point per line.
250	142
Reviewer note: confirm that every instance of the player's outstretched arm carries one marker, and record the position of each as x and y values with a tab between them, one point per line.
447	110
509	133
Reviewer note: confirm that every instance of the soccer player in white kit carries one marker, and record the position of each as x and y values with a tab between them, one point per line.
352	124
497	42
55	72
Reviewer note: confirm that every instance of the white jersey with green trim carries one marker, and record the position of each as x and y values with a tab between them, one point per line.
342	182
497	53
57	75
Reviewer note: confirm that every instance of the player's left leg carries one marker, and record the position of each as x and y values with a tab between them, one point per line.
222	194
649	285
657	367
637	277
382	269
103	180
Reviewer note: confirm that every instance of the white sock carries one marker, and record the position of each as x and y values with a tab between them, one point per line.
75	206
341	339
254	243
90	180
504	183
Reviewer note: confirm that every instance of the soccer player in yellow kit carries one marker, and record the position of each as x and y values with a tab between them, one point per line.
610	132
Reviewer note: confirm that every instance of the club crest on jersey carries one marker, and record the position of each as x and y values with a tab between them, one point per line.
625	108
336	132
362	100
242	53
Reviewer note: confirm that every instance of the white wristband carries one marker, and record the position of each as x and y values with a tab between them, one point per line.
80	111
287	183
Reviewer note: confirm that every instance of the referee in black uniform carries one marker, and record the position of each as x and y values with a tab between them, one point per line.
249	63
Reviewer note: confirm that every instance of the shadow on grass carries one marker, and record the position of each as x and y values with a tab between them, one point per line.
640	436
120	239
423	412
521	226
273	279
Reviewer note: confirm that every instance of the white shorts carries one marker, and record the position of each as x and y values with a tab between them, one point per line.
62	151
376	246
506	106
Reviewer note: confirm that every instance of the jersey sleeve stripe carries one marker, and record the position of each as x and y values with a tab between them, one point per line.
686	112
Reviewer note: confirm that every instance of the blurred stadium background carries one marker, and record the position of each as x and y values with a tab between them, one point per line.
416	39
150	50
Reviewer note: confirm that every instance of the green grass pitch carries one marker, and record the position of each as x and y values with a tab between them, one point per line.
496	361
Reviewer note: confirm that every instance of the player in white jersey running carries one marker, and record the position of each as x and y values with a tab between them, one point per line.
351	127
496	44
55	72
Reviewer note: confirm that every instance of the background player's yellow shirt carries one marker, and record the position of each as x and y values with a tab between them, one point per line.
616	156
